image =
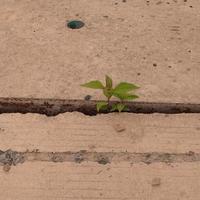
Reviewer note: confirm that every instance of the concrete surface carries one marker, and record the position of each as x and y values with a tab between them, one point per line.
124	180
152	43
103	133
88	181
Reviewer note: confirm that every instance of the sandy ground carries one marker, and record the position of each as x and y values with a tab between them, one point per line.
152	43
123	177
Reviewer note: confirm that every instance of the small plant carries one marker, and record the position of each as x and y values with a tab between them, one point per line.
121	91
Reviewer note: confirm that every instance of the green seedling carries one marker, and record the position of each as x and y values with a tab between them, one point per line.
120	91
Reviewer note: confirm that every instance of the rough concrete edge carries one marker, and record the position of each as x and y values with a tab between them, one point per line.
52	107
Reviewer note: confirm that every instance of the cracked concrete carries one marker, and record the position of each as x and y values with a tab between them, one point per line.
52	107
106	157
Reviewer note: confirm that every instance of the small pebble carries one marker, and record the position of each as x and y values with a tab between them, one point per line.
156	182
6	168
119	127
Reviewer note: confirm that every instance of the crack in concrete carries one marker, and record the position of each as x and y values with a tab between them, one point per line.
52	107
11	157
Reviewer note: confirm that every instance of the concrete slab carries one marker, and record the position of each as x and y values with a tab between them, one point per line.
152	43
56	181
103	133
41	174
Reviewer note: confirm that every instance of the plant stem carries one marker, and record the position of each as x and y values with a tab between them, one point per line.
108	100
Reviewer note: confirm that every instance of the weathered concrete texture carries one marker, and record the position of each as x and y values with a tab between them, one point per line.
113	157
152	43
56	181
138	133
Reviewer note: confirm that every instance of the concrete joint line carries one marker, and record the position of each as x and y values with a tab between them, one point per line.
11	157
52	107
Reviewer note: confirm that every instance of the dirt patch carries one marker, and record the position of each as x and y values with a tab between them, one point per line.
10	157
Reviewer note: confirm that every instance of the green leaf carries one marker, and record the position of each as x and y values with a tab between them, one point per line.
124	87
114	108
108	92
109	82
102	106
120	107
94	85
126	108
125	96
